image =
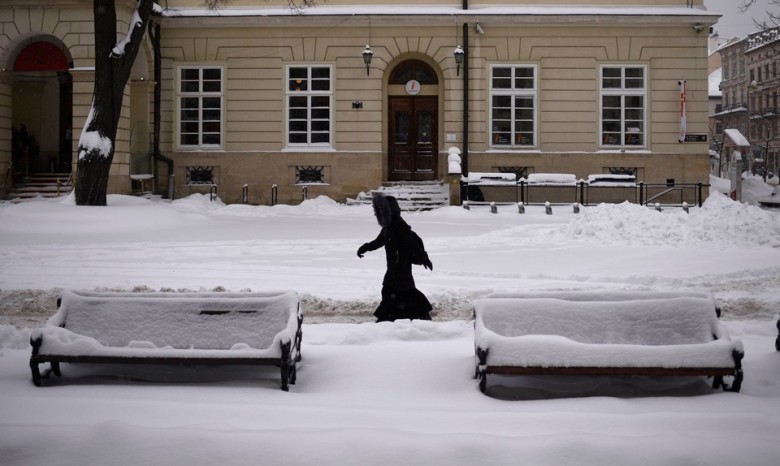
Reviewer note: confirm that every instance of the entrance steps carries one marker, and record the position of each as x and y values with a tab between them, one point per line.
411	195
40	185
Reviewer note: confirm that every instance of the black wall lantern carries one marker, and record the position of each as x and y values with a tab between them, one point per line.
459	53
368	54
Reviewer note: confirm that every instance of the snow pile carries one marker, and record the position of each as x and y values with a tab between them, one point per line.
719	220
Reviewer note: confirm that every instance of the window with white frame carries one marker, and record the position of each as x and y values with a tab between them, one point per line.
513	105
200	106
309	105
623	106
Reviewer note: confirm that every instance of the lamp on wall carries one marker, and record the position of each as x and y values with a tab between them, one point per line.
368	54
459	53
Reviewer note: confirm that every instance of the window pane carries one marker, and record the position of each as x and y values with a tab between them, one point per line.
212	74
187	139
524	114
211	126
524	139
320	72
320	138
634	139
635	101
211	139
190	86
319	113
634	114
502	78
298	113
504	101
502	126
502	139
299	102
502	113
611	78
297	138
211	115
320	101
524	78
212	102
212	86
611	114
189	127
524	126
611	101
298	125
320	125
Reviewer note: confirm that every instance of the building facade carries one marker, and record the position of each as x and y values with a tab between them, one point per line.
255	96
750	86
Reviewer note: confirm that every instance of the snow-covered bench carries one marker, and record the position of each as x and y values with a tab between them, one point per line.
171	328
613	334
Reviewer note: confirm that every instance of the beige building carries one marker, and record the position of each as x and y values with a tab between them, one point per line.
255	95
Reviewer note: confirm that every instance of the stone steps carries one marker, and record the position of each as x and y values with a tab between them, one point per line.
411	196
40	185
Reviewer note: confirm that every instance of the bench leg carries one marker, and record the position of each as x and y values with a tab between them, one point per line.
717	382
481	373
293	374
285	377
36	372
777	341
285	365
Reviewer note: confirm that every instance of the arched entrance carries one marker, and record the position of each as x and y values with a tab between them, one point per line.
413	122
42	110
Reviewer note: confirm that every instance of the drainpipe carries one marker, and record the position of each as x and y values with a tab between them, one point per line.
465	154
154	35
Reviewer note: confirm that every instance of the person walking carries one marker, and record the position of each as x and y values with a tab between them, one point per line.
403	247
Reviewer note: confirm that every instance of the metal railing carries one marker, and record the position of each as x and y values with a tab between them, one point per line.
583	193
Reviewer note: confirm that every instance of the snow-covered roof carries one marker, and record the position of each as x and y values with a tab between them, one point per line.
737	137
714	83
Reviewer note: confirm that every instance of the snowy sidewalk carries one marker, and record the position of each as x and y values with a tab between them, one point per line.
395	393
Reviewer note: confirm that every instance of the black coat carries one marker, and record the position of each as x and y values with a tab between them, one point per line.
400	297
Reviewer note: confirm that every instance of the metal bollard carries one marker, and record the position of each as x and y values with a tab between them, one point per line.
658	207
520	208
212	192
685	208
493	208
466	205
274	194
304	193
547	208
245	194
576	208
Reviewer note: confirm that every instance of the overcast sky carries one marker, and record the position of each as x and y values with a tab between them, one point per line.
734	24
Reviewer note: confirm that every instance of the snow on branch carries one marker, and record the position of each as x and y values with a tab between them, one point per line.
135	22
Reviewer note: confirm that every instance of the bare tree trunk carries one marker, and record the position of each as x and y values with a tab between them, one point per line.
113	62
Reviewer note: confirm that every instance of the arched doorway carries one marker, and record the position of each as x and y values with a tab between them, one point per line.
42	110
413	123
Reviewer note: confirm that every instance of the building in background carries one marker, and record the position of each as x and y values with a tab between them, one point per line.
750	87
255	95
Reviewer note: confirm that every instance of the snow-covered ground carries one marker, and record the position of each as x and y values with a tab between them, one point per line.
390	393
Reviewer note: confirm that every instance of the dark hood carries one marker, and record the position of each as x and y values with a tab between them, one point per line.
386	209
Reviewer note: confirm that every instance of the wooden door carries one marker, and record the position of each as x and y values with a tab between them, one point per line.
413	138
